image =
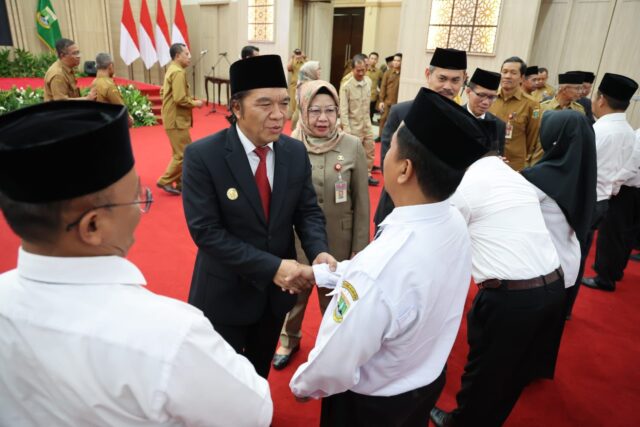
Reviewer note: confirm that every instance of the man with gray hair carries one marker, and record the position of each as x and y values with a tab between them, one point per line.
105	88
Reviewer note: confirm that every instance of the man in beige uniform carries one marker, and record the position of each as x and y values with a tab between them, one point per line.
520	112
531	82
296	61
354	110
375	74
106	89
569	91
177	117
544	90
60	80
389	89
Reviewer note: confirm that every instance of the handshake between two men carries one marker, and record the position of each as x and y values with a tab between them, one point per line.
294	277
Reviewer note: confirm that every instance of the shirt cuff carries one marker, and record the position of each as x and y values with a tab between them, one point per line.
325	278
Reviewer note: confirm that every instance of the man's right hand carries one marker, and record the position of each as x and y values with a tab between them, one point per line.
198	103
381	107
291	277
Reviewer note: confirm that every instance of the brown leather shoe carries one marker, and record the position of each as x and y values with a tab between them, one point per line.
169	189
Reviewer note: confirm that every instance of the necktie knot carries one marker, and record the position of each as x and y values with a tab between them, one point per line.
261	152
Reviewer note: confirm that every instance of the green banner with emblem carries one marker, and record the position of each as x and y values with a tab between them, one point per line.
47	24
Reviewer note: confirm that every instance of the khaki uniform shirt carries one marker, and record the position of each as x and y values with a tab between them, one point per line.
295	66
176	101
389	87
60	83
540	94
107	91
354	108
347	222
553	104
375	74
522	115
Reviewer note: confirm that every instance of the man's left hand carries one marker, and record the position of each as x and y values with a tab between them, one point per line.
325	258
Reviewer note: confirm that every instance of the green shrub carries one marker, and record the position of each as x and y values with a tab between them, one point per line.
24	63
138	105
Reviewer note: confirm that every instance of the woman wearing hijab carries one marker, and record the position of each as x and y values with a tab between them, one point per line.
565	181
339	175
309	71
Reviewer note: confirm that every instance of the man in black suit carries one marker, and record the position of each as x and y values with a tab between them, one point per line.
245	190
446	75
481	91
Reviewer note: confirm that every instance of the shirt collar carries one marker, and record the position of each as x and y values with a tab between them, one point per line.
65	67
246	142
477	117
613	117
414	213
517	95
78	270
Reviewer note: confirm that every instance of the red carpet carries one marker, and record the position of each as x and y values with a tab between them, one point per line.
597	381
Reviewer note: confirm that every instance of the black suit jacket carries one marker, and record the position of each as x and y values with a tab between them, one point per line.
501	129
238	251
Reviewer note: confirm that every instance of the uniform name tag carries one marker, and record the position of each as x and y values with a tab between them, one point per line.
341	190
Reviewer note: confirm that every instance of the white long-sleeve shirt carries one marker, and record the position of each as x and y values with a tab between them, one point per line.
396	308
615	140
82	342
509	238
630	173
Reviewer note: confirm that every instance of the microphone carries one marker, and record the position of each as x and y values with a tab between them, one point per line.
202	52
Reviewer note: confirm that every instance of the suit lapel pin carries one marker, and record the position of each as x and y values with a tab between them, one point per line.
232	194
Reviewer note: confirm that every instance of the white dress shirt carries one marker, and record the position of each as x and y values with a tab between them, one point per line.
614	145
630	173
254	160
509	238
562	235
83	343
396	308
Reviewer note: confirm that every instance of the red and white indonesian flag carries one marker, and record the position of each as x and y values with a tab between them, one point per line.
162	36
128	37
179	33
145	34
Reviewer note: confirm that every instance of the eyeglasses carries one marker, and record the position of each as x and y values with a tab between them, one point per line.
144	199
317	111
75	53
484	96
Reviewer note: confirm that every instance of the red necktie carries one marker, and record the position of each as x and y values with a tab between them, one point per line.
262	181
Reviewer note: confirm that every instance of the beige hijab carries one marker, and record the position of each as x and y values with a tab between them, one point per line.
308	91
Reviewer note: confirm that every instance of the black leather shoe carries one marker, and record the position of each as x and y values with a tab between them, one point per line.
373	182
440	418
169	189
280	361
597	283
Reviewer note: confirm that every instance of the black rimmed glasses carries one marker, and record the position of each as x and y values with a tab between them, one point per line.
144	200
484	96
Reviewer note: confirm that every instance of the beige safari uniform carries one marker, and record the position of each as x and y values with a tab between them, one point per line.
293	84
354	114
107	91
389	93
553	104
347	223
177	118
540	94
522	113
60	83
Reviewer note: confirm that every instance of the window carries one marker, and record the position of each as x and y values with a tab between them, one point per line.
261	20
469	25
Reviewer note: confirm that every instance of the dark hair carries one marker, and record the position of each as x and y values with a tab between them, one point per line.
236	98
324	91
615	104
523	65
62	45
542	70
437	180
175	49
247	51
375	53
360	57
34	222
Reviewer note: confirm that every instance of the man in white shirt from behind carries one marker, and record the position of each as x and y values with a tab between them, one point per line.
385	337
82	342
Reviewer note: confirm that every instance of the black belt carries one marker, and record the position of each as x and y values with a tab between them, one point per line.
517	285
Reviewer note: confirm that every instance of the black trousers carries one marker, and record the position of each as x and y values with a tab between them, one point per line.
572	293
408	409
372	109
513	338
617	234
257	342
